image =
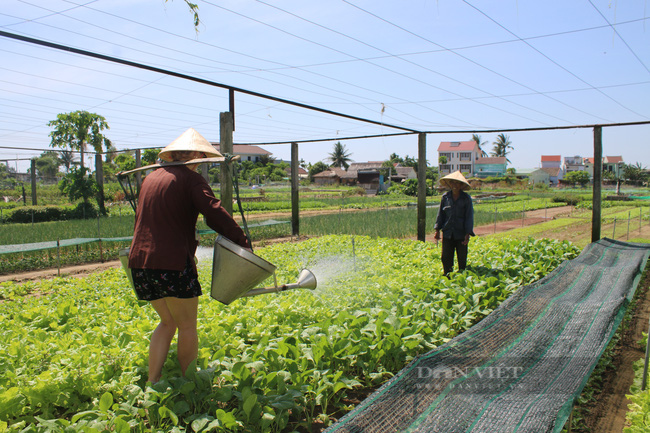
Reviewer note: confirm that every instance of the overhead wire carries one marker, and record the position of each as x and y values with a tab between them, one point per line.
455	52
553	61
619	36
420	66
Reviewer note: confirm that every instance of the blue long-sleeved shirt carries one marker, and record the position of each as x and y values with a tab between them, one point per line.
455	217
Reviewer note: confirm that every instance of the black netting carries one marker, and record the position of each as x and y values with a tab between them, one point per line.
521	368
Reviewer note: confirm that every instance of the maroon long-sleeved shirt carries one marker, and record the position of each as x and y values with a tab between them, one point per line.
170	201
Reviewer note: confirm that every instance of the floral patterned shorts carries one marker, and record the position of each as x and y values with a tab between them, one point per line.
152	284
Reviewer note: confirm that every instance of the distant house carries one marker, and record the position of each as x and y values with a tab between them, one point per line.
551	161
247	152
328	177
364	174
400	174
539	176
367	175
302	173
490	166
574	163
613	164
554	174
553	166
461	155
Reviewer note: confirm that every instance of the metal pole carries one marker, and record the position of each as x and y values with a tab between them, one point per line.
226	146
99	236
598	183
58	258
640	211
422	186
614	231
295	196
495	219
629	215
523	213
33	176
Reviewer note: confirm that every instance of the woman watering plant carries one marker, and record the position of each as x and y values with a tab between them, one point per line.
455	220
161	257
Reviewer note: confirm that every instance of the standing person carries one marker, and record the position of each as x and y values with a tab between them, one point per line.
455	220
161	257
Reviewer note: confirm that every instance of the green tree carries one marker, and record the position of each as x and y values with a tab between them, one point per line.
67	159
78	184
149	156
411	161
265	160
479	143
78	129
75	131
442	160
395	159
340	157
125	162
319	167
634	172
47	164
581	177
502	146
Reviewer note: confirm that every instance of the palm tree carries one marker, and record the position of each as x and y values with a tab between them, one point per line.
67	159
340	157
479	143
502	146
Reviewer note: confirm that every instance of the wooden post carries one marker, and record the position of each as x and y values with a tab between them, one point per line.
598	183
295	196
225	147
138	174
99	176
422	186
205	171
33	176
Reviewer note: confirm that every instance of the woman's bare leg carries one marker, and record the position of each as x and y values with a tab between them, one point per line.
161	339
184	312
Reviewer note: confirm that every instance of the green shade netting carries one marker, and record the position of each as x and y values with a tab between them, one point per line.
521	368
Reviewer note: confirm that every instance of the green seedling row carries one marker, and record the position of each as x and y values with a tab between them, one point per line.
73	351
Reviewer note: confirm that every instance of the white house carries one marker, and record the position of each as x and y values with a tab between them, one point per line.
461	155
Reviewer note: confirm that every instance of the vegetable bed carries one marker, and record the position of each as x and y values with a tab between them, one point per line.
74	351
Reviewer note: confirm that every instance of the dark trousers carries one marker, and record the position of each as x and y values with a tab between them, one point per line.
449	246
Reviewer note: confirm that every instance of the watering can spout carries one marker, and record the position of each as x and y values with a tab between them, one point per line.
306	280
235	271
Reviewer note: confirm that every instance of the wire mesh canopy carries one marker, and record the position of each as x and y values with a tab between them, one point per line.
521	368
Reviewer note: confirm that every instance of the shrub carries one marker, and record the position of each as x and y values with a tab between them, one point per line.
569	199
37	214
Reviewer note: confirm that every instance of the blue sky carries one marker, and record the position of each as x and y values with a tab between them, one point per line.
426	65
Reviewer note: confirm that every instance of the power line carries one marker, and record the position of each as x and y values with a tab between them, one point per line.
551	60
454	51
187	77
619	36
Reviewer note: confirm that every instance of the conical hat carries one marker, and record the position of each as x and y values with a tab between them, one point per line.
457	175
189	141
